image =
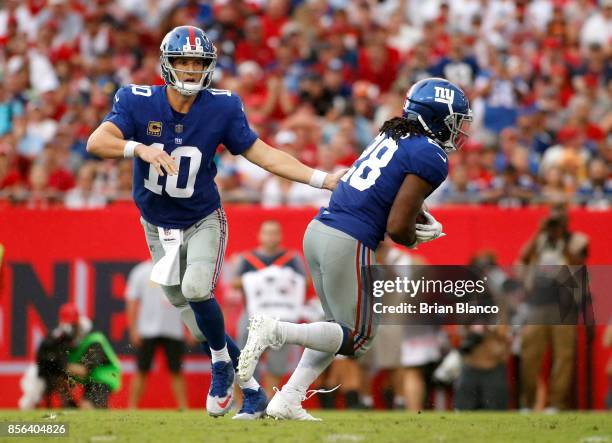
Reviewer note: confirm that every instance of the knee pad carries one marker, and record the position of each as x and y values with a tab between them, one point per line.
198	282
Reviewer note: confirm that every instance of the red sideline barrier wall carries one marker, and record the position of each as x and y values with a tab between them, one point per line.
52	256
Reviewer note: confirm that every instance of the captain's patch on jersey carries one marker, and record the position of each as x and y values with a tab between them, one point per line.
154	128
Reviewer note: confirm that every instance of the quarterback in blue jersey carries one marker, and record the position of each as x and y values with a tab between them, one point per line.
383	192
172	132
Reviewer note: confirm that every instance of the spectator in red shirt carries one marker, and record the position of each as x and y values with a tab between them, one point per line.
378	63
580	116
343	149
250	85
304	123
11	180
41	194
279	102
274	19
254	47
59	176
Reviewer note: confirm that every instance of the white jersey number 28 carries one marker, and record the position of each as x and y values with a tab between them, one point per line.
374	158
195	159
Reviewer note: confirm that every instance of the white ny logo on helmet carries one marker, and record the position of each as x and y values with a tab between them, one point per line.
444	95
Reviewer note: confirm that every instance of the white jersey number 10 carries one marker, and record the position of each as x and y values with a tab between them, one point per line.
195	159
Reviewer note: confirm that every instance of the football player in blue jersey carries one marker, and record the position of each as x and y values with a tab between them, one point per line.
383	192
172	132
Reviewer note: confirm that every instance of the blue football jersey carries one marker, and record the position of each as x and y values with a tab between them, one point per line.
143	114
361	203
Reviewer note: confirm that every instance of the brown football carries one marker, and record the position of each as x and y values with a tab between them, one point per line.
421	219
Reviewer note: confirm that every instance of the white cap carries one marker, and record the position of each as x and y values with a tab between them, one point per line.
285	137
249	67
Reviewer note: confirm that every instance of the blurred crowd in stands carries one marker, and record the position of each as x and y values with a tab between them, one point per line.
318	78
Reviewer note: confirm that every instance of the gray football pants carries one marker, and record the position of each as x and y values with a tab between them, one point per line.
201	258
337	264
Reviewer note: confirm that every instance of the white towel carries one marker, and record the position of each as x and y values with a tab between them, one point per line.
167	271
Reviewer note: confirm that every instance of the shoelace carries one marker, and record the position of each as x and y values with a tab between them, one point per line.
314	392
218	380
310	393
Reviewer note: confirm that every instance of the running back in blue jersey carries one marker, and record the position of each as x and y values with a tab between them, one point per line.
143	114
361	203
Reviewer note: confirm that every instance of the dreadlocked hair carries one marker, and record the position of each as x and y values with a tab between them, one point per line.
398	127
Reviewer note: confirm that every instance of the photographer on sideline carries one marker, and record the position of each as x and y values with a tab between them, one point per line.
71	352
485	348
552	248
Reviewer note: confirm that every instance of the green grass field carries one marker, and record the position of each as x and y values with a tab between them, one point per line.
337	427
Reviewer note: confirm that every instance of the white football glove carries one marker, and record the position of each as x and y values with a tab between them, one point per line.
427	232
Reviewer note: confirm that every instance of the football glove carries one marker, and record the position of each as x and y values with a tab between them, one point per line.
426	232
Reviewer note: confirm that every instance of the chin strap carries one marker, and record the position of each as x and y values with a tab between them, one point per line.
185	91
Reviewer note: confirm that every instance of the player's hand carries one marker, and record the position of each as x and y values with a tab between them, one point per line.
428	231
332	179
160	159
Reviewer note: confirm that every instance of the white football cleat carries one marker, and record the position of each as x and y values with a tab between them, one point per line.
262	335
288	406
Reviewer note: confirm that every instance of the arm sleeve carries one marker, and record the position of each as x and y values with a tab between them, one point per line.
120	115
238	135
429	163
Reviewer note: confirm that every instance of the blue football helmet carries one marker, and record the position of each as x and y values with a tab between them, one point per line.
442	109
187	41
